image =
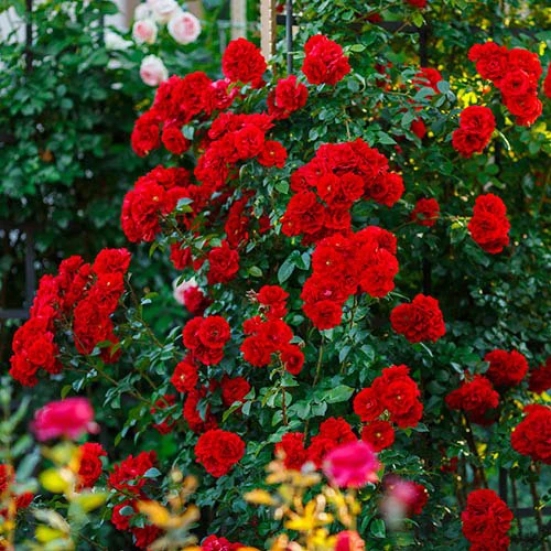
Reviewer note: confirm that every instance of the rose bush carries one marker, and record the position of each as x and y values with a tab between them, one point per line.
323	312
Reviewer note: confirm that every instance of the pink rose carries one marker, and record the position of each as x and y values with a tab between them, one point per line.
144	31
153	71
71	418
184	27
351	465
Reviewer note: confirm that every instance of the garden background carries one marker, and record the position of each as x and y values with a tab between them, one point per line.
269	274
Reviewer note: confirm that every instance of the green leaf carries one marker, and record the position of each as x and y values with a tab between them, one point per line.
377	528
152	473
340	393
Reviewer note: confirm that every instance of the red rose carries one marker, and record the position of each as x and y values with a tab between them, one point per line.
218	451
325	62
174	140
197	422
486	520
489	226
257	351
324	314
476	125
379	434
90	467
272	154
273	298
540	378
213	332
291	448
425	212
234	390
532	436
243	62
128	477
526	108
223	264
367	405
349	540
289	96
476	397
292	358
145	135
491	60
506	368
185	376
421	320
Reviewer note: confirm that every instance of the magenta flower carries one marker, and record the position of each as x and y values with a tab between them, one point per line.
70	418
351	465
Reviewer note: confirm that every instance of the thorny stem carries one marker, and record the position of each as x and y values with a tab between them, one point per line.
515	504
318	365
472	446
537	508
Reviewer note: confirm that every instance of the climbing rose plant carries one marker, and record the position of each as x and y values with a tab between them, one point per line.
350	265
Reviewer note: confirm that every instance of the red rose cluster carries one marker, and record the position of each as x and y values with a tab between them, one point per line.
515	73
82	297
177	102
476	126
153	197
394	396
476	397
267	334
326	188
532	436
90	466
333	432
288	96
506	368
345	264
540	378
218	451
489	226
325	62
243	62
128	478
486	521
425	212
421	320
206	337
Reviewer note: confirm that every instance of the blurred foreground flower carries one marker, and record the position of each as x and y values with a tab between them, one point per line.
351	465
70	418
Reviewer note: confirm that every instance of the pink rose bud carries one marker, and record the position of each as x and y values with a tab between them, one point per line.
144	31
351	465
70	418
184	27
163	10
349	540
153	71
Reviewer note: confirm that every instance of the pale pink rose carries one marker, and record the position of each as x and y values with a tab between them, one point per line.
179	290
351	465
153	71
163	10
184	27
70	418
349	540
142	11
144	31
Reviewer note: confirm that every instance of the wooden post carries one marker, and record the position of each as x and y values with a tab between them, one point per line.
267	27
238	9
